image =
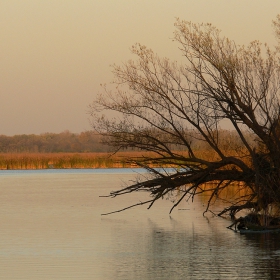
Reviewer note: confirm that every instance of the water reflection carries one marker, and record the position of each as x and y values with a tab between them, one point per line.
176	249
267	246
52	229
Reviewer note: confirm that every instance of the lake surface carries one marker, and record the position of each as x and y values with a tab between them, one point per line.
52	228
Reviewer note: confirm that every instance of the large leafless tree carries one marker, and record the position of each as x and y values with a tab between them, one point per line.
164	107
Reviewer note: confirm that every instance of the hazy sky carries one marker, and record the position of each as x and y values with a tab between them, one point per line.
55	53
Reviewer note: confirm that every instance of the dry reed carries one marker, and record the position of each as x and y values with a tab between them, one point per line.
61	160
77	160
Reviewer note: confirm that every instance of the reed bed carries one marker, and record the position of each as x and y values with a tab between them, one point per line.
79	160
61	160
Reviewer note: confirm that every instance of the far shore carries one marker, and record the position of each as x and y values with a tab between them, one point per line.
30	161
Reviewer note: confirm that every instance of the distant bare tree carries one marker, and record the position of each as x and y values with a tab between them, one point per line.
164	107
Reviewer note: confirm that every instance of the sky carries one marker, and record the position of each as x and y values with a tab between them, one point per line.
54	54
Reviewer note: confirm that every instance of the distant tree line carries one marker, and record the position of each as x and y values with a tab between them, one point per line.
90	141
67	142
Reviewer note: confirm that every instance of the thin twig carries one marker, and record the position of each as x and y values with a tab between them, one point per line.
137	204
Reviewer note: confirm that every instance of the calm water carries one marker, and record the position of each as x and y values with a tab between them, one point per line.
52	228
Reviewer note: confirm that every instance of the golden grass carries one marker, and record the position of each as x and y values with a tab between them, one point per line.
61	160
79	160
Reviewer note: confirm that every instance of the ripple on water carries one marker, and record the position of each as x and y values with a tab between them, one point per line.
51	228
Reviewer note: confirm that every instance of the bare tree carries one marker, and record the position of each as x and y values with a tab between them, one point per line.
164	107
